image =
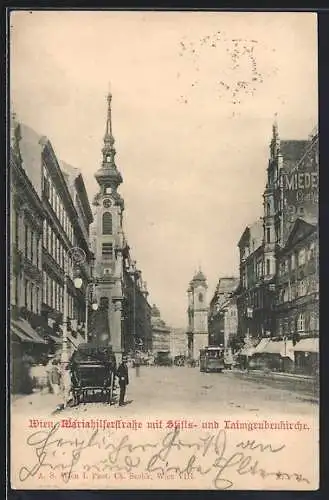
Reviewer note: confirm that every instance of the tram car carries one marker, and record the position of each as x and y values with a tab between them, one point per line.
93	370
212	359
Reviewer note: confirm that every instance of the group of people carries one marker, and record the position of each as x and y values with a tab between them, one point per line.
49	377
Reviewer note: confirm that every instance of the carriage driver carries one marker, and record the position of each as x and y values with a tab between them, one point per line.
122	374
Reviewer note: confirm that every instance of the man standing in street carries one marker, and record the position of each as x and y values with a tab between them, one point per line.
122	374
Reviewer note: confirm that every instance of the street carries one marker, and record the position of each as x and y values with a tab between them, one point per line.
184	391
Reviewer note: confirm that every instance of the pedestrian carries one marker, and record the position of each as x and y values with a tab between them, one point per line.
55	377
122	374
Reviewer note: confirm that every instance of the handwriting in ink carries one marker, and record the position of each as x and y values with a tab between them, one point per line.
207	456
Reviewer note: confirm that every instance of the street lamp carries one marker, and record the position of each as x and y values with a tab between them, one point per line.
77	256
78	284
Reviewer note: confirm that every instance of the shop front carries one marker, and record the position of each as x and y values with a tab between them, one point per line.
307	356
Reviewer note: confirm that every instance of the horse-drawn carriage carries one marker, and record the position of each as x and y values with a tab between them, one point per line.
93	370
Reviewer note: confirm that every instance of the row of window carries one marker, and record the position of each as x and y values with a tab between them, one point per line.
299	289
31	244
53	295
31	297
298	259
57	205
248	275
53	245
303	323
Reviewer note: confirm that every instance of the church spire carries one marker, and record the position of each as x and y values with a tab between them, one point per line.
275	142
108	175
108	148
275	128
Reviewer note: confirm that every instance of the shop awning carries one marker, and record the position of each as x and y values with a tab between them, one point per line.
22	337
25	332
307	345
247	351
283	348
261	345
57	340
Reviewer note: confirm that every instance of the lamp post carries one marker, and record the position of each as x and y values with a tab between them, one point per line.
77	256
94	306
78	284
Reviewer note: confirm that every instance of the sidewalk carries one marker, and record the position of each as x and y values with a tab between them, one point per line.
305	385
37	402
272	374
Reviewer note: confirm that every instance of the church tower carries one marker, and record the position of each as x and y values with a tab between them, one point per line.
107	243
197	315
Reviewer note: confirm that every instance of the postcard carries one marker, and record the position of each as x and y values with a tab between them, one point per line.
164	277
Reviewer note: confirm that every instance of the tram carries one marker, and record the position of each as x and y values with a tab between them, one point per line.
212	359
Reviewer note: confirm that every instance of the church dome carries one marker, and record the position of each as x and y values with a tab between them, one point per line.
199	277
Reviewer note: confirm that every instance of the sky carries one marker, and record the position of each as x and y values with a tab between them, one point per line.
194	98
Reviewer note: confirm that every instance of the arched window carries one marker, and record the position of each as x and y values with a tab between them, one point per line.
301	323
200	297
107	223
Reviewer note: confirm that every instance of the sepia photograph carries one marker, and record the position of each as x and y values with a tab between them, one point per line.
164	257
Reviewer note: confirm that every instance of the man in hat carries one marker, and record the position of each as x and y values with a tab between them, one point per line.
122	374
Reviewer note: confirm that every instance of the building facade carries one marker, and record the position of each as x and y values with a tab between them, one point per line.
45	225
197	332
297	298
137	323
223	313
278	293
123	319
256	288
178	342
107	243
161	333
66	226
26	223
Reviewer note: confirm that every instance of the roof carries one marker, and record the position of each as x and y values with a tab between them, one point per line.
31	154
292	150
199	277
70	175
227	284
300	229
255	232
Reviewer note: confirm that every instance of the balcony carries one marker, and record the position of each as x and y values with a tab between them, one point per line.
17	259
31	270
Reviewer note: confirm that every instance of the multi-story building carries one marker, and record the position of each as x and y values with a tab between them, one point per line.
66	226
223	315
298	283
178	343
297	297
137	327
256	290
197	332
285	293
26	220
45	225
160	332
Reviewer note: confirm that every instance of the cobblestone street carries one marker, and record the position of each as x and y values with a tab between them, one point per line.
184	391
